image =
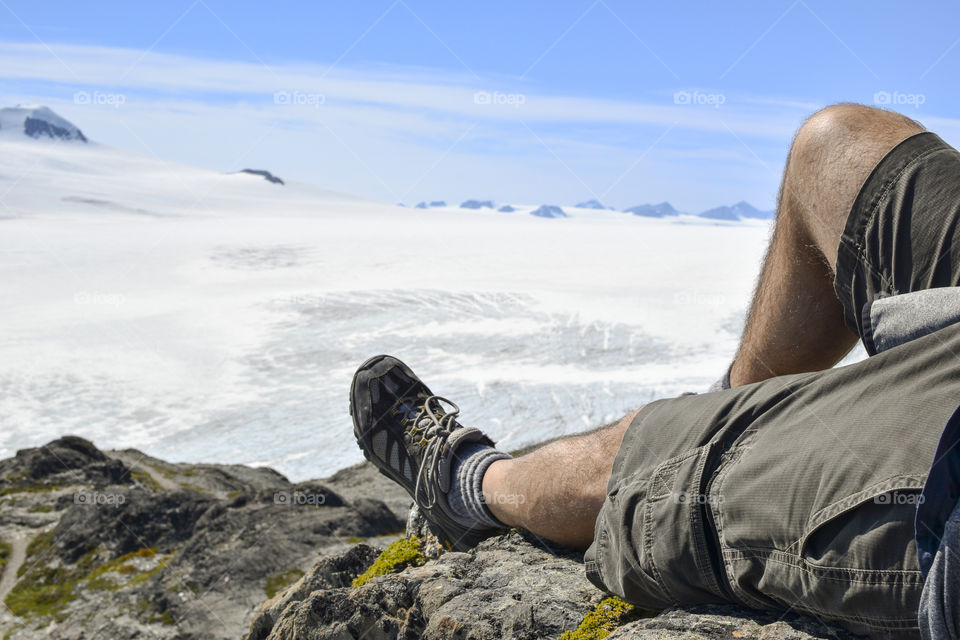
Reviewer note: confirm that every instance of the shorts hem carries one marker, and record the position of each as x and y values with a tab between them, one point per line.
851	256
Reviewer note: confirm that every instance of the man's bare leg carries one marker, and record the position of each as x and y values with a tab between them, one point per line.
556	491
796	322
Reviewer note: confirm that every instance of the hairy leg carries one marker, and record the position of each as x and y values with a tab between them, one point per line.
557	490
796	322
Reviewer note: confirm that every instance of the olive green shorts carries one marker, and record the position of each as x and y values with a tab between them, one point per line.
799	493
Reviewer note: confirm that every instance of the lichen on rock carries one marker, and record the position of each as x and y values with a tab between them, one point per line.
401	554
609	614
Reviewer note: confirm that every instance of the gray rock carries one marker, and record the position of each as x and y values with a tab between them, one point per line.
362	481
221	532
175	550
718	622
512	586
128	520
330	573
507	587
66	460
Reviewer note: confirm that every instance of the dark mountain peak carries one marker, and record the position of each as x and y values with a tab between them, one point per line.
263	173
37	122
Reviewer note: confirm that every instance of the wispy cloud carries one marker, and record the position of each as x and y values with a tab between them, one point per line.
392	132
425	91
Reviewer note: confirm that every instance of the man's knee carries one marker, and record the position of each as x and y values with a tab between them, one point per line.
840	130
831	156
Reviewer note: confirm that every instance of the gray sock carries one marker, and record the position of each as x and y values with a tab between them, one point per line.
466	485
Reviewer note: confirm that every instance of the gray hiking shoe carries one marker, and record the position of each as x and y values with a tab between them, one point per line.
411	436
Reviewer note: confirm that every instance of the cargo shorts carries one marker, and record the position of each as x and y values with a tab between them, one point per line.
799	493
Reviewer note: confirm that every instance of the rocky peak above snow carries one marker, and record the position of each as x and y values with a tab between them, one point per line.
740	211
37	122
661	210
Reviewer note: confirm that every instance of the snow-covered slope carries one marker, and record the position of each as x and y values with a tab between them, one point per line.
211	316
65	177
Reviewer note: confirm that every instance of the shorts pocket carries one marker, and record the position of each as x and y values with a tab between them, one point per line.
618	561
856	561
869	531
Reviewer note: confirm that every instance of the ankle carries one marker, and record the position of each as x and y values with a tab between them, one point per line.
465	497
502	500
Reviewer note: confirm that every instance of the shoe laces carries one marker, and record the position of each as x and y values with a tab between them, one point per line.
433	425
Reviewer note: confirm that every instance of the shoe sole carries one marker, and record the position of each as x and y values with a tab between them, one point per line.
437	530
386	471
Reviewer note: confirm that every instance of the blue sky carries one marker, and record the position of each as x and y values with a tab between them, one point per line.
531	102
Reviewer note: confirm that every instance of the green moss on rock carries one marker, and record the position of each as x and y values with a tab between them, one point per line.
40	508
42	593
121	566
279	582
148	611
144	478
117	563
42	590
401	554
31	488
609	614
46	586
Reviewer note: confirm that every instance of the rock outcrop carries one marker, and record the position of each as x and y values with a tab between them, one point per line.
512	586
117	544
